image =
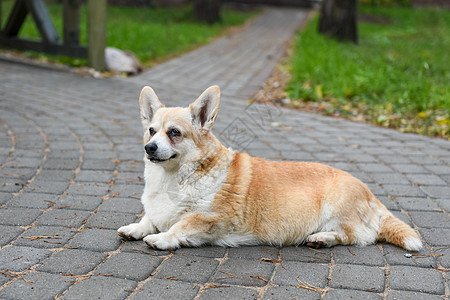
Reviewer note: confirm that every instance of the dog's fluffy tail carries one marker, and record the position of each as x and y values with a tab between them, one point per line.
397	232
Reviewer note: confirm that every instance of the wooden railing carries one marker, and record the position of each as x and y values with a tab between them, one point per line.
50	41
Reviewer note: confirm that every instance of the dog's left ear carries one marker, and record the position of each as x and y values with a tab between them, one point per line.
205	109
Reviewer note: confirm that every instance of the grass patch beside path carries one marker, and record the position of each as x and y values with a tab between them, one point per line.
397	76
154	34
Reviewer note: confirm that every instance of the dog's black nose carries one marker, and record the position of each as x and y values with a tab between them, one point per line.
151	148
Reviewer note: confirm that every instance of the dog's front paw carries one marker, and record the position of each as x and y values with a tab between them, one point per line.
135	231
162	241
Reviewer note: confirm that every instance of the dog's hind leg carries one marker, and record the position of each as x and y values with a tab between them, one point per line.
137	231
192	231
324	239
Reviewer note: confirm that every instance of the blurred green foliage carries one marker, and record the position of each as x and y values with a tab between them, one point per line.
398	75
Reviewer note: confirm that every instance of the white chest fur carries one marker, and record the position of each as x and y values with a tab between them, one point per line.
169	196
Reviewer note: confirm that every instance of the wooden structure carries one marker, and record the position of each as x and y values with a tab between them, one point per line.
50	41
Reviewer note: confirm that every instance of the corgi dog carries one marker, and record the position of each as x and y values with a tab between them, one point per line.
199	192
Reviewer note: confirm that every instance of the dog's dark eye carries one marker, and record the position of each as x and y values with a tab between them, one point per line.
152	131
174	132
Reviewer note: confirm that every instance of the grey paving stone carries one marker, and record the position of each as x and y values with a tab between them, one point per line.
436	236
23	173
441	192
4	279
56	175
88	189
91	176
39	285
205	251
350	294
402	216
357	277
110	220
34	200
80	202
18	258
72	261
5	197
61	163
410	168
141	247
98	164
396	190
402	295
289	272
188	268
439	169
133	191
136	166
20	216
420	204
289	292
229	292
96	239
9	233
391	178
394	160
425	219
103	288
48	187
45	237
444	204
166	289
426	179
374	168
122	205
100	155
396	256
369	255
416	279
11	185
129	177
253	252
246	272
63	217
388	202
306	254
131	266
443	256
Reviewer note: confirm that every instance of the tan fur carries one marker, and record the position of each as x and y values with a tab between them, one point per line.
265	202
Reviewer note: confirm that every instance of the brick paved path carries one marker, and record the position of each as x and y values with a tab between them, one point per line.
71	174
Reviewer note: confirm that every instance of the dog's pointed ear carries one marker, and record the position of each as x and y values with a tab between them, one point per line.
149	104
205	109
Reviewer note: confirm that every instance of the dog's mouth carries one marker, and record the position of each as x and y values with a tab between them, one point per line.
158	160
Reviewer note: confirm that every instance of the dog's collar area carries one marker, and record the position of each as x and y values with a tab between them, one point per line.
156	160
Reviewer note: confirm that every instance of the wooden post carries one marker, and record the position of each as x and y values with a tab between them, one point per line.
71	17
96	34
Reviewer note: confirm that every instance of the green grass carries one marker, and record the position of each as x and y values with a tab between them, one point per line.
153	34
397	76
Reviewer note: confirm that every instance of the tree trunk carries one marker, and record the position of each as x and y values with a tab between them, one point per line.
207	11
338	20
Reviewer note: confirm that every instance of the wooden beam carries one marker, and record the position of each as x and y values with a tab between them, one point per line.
39	46
43	21
16	18
71	17
97	34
